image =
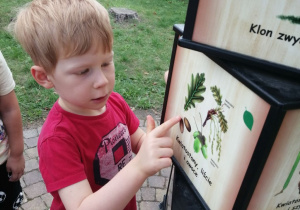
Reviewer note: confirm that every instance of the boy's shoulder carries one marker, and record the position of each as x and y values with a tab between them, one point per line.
59	120
114	96
117	101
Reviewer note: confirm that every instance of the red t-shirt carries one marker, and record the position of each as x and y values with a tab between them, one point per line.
73	147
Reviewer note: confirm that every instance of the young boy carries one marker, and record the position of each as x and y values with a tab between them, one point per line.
86	144
12	161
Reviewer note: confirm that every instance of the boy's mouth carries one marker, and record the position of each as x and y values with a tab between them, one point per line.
100	99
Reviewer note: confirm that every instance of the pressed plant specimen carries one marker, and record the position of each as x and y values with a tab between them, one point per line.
218	123
287	181
195	91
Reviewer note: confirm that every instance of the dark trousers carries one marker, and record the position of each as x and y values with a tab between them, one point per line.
11	195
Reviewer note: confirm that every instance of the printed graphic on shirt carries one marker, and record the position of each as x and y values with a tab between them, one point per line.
113	153
2	131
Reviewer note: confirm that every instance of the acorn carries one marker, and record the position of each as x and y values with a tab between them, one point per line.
181	126
187	124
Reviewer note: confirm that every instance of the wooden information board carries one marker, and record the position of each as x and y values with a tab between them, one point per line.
222	121
279	183
238	143
266	32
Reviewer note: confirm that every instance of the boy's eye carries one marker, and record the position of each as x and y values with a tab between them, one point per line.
84	72
105	64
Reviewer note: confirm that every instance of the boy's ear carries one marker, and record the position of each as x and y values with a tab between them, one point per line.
41	76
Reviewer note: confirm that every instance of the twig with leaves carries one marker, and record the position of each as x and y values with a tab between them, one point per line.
217	118
195	91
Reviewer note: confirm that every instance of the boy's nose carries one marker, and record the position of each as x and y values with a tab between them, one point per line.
100	79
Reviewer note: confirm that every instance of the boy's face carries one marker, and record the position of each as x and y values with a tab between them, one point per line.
84	82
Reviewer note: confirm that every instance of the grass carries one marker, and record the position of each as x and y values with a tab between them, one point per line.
142	54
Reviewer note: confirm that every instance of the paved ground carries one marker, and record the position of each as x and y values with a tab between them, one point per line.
148	197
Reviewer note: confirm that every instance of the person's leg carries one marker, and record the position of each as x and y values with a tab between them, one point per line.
11	195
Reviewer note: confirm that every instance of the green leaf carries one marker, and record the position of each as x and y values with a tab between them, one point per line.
197	145
292	19
222	121
196	134
195	91
216	94
248	119
204	152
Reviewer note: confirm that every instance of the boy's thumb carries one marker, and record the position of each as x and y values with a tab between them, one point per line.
150	123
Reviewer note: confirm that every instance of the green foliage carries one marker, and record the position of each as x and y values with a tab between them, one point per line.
292	19
218	121
142	51
218	98
195	90
197	145
222	121
248	119
216	94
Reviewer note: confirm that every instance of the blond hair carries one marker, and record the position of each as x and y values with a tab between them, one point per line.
52	29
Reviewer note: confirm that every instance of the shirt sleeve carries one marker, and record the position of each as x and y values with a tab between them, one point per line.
7	83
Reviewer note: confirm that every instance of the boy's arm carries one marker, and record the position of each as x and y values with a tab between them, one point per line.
12	120
154	154
137	139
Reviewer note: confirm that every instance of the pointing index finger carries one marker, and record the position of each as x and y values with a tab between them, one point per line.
163	128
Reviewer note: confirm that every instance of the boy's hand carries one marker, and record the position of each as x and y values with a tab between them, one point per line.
156	150
15	167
